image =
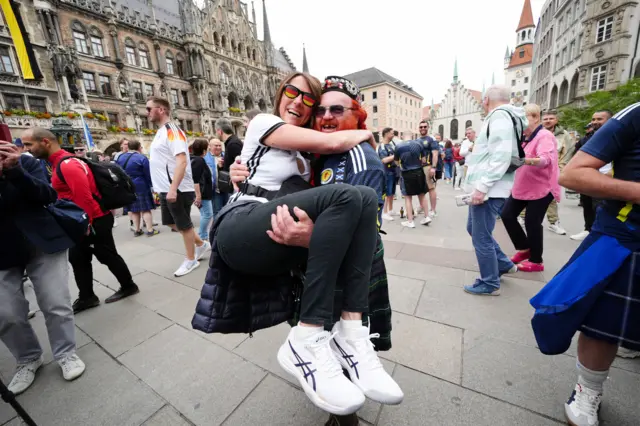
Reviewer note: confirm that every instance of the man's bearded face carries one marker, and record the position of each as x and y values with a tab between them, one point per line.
329	123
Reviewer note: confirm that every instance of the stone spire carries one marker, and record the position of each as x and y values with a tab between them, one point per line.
305	65
455	71
265	23
255	25
507	55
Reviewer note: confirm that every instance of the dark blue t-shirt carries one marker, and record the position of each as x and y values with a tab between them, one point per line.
618	141
360	166
430	145
410	155
385	150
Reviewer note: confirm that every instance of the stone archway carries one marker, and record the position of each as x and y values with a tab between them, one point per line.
553	102
112	149
564	92
233	100
248	103
262	105
573	88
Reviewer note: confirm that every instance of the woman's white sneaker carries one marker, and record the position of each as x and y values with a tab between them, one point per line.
314	365
583	406
25	375
72	367
186	267
408	224
356	354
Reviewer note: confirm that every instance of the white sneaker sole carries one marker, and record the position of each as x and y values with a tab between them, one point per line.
182	274
371	394
35	374
288	366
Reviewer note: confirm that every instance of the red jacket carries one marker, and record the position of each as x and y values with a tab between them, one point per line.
456	154
79	185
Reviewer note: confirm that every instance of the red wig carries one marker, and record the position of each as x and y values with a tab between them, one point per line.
360	114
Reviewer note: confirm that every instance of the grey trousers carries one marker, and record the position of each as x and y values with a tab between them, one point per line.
49	274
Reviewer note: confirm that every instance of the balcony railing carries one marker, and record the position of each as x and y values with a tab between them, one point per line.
25	121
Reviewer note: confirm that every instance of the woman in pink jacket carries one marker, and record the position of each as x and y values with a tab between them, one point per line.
535	185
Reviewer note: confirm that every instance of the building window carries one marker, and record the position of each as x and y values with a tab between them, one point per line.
89	82
557	64
96	43
144	57
526	92
174	97
180	68
144	122
13	101
113	118
521	54
375	95
454	129
375	109
362	97
513	83
598	77
80	38
105	85
526	80
38	104
169	63
572	48
189	125
136	86
603	33
6	66
148	90
375	122
185	98
389	94
468	124
560	25
130	51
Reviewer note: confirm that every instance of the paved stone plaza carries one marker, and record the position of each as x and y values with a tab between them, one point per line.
460	359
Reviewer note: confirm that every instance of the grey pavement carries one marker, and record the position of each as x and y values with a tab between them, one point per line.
461	359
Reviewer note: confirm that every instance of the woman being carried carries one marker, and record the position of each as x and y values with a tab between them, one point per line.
340	249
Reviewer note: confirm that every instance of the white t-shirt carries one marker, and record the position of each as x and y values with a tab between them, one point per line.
268	166
169	141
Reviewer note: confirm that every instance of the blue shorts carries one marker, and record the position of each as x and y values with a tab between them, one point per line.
392	181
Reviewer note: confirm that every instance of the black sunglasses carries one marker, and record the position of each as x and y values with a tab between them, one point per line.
334	110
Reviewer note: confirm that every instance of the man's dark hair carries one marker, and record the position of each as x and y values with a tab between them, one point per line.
424	121
134	145
608	112
200	146
224	125
386	130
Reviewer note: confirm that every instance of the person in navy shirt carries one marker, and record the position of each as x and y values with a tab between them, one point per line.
613	318
432	149
386	152
411	155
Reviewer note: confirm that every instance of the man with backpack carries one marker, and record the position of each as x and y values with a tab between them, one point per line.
74	180
489	180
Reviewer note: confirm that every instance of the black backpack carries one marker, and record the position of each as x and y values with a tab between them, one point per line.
115	186
518	161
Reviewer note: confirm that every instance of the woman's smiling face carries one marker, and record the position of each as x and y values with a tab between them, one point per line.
294	111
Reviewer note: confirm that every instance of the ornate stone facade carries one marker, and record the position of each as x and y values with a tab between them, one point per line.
108	56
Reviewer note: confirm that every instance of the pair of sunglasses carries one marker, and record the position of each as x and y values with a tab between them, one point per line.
334	110
293	92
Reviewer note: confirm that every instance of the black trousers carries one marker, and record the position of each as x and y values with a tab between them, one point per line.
532	240
341	249
589	208
101	244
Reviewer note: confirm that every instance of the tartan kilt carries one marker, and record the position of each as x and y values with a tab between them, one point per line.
144	202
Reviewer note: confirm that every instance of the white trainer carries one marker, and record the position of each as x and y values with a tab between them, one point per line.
627	353
72	367
582	407
408	224
557	229
25	375
387	216
186	267
202	250
357	356
433	214
580	236
316	368
425	221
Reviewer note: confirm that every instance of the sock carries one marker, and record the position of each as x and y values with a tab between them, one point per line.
591	379
304	332
349	327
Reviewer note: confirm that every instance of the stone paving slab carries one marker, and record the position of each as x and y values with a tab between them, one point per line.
167	416
405	293
201	380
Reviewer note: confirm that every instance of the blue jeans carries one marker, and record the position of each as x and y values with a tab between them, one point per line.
392	181
491	260
206	214
219	201
448	170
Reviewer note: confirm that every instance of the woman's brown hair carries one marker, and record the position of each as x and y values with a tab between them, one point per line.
314	85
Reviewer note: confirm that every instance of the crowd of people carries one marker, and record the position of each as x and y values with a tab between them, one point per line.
287	244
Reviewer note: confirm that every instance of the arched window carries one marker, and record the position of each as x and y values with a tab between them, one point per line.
145	58
224	41
224	74
441	130
181	68
248	53
130	51
529	34
454	129
240	48
233	46
216	39
553	102
96	42
170	63
254	54
468	124
80	37
564	92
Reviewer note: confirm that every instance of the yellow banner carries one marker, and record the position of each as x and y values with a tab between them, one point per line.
18	40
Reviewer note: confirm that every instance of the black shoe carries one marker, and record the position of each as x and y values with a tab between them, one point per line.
83	304
123	292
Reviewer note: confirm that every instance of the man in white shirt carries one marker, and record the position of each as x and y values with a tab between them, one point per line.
172	179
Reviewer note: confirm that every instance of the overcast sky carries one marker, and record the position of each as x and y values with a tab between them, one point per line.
416	41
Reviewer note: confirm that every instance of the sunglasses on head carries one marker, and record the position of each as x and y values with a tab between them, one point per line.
293	92
334	110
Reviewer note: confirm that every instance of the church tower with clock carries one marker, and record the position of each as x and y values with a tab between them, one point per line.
518	62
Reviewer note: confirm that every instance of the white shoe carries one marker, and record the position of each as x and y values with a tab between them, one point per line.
433	214
25	375
355	352
318	371
72	367
580	236
521	221
115	223
186	267
457	188
425	221
202	250
387	216
408	224
556	228
627	353
582	407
